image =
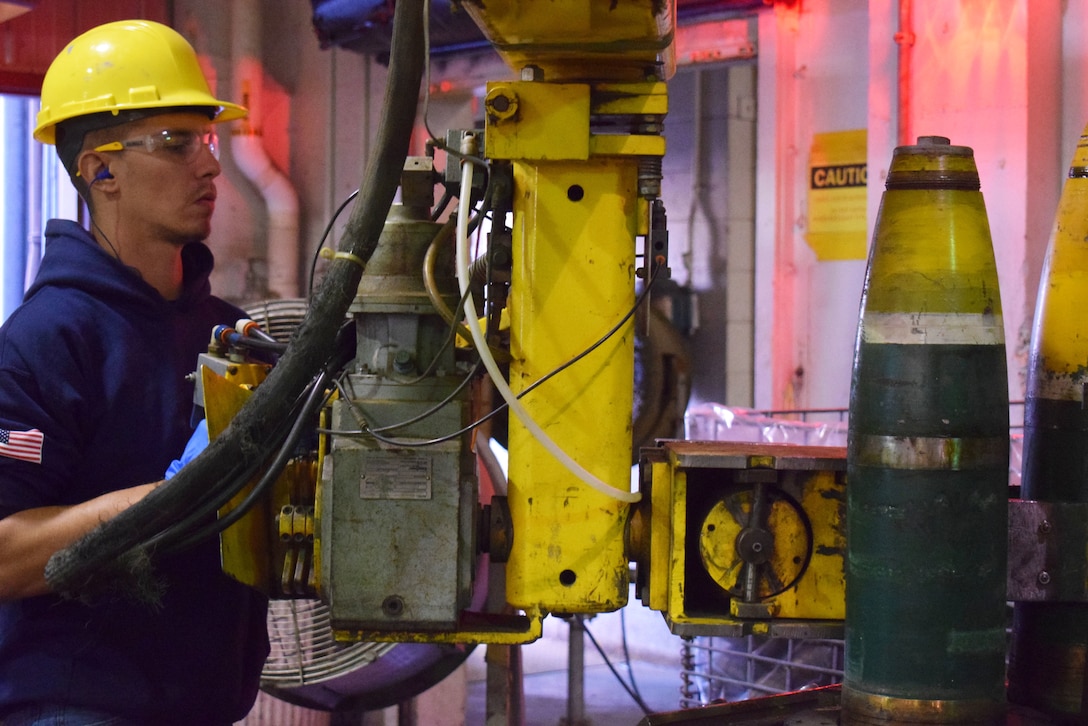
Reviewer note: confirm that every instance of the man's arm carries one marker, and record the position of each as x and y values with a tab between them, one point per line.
29	538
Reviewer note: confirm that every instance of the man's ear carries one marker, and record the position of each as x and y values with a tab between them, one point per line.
93	168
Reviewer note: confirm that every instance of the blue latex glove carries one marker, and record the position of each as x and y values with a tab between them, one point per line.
197	443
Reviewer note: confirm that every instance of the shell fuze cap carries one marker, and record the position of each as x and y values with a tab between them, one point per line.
122	71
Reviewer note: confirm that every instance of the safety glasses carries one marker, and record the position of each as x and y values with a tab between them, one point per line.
183	144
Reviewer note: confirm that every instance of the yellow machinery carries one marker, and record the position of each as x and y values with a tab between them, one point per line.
382	515
393	531
582	134
742	539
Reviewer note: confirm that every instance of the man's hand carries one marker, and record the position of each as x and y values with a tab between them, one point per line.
197	443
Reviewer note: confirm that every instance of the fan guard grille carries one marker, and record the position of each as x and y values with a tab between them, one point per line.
303	648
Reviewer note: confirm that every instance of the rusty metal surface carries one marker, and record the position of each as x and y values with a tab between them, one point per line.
751	455
1046	551
814	707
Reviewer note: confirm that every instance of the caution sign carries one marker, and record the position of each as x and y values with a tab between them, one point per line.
837	178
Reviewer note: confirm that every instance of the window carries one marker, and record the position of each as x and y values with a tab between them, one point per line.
33	188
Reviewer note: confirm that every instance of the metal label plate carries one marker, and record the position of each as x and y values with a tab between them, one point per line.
397	477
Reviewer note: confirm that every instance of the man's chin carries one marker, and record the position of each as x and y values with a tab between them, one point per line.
182	239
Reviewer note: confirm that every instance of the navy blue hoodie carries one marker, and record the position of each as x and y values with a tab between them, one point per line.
96	360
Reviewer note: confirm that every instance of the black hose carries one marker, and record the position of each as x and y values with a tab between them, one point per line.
194	527
114	552
303	422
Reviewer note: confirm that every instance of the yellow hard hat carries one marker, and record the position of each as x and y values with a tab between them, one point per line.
129	65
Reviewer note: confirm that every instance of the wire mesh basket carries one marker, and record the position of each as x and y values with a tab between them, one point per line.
715	669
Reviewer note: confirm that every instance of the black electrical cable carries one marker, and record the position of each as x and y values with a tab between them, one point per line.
427	68
634	695
477	160
626	652
485	206
443	202
376	432
196	519
446	343
434	409
314	400
487	417
325	236
603	339
242	341
204	508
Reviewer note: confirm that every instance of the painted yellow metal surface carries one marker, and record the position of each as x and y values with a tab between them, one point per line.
914	271
269	548
722	527
573	280
819	593
661	527
532	121
1059	333
692	568
650	98
498	629
577	210
580	39
244	546
549	121
677	545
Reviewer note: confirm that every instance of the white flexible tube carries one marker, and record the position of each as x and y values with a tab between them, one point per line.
492	367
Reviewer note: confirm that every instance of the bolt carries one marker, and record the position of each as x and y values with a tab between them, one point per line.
501	104
1044	526
402	362
1044	578
393	606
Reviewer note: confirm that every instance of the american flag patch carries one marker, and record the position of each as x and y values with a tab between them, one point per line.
24	445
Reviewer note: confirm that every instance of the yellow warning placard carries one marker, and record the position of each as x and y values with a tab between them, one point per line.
837	179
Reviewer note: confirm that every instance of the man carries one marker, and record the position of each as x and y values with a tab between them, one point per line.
94	400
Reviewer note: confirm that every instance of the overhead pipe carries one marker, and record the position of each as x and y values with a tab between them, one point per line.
698	180
249	153
904	38
115	553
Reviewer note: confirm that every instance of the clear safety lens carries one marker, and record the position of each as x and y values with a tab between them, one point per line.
185	144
